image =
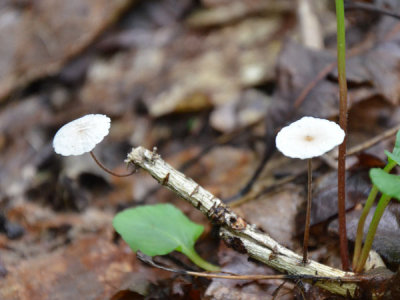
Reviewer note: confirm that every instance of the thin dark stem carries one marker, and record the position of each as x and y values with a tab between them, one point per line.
341	50
308	213
108	170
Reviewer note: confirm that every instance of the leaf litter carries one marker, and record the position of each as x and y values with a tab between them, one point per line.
175	76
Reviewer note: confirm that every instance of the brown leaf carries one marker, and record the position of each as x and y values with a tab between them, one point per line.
297	67
91	268
249	107
42	35
387	237
172	67
275	213
219	13
324	205
233	262
373	72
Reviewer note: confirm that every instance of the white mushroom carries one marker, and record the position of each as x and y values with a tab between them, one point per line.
81	135
306	138
309	137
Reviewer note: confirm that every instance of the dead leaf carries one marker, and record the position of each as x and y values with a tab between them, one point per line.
387	238
373	71
233	262
219	14
250	107
91	268
211	68
276	212
42	36
325	194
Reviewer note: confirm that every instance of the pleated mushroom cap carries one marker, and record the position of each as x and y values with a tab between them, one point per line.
81	135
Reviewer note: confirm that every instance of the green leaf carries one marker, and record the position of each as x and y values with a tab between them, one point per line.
393	157
387	183
158	230
396	149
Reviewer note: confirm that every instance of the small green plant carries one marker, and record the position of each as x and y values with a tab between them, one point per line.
389	186
160	229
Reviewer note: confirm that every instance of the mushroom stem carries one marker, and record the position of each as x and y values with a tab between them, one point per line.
308	213
108	170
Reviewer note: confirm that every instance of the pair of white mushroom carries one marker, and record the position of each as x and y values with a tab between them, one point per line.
306	138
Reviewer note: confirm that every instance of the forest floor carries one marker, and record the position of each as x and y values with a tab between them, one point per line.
206	82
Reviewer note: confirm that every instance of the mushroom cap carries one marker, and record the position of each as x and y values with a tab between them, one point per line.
81	135
309	137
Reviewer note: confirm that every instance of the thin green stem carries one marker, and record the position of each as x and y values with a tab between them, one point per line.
361	222
195	258
380	208
360	228
341	57
308	212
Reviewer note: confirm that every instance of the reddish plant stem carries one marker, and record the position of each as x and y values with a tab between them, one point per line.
108	170
341	50
308	212
344	253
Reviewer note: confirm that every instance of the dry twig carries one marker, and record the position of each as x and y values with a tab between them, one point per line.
243	237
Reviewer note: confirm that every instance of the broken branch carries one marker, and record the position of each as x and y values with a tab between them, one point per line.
243	237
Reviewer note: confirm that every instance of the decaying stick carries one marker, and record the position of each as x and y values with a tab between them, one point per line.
243	237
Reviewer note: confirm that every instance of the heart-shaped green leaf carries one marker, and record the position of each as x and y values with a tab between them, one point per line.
387	183
158	230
